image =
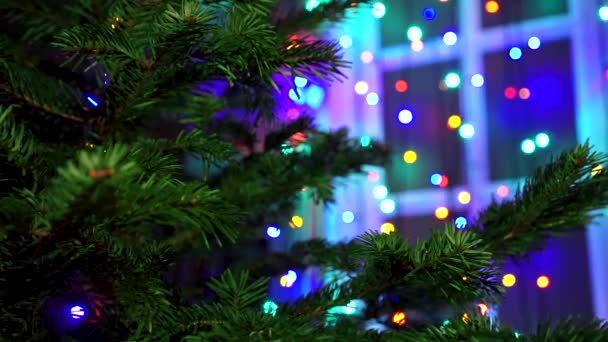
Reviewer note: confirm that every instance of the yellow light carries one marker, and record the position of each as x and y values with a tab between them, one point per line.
483	309
399	318
113	26
417	45
387	228
464	278
508	280
454	122
297	221
543	282
464	197
465	318
492	7
442	213
596	170
410	157
285	281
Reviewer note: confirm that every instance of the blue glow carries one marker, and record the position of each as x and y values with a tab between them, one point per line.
77	312
372	99
452	80
477	80
460	222
365	141
273	232
387	206
294	96
348	216
450	38
378	10
300	82
528	146
533	43
429	13
346	41
315	96
92	101
466	131
380	192
405	116
603	13
515	53
291	276
542	140
436	179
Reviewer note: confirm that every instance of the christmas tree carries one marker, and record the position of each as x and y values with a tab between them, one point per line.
102	101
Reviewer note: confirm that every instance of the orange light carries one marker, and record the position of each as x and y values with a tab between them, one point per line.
417	45
399	318
543	282
454	122
285	281
442	213
492	7
444	181
483	309
401	86
508	280
524	93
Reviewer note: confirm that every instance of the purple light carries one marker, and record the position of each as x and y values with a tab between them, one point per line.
92	101
77	312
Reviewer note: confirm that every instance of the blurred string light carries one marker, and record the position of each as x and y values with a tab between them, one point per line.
346	41
380	192
466	131
464	197
405	116
401	86
435	179
510	93
442	213
296	221
410	157
92	101
361	87
300	82
492	7
508	280
444	181
387	228
528	146
477	80
77	312
417	45
543	282
524	93
483	309
387	206
288	279
603	13
273	232
414	33
515	53
312	4
378	10
372	99
429	13
373	176
270	307
367	57
452	80
315	96
365	141
296	96
450	38
399	318
534	43
460	222
502	191
597	170
542	140
348	217
454	121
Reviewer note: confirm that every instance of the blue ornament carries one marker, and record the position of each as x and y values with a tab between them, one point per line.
429	13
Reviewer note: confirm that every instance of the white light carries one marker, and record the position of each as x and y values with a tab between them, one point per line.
452	80
450	38
378	10
380	192
273	232
361	87
77	312
477	80
387	206
405	116
348	216
528	146
291	276
372	99
346	41
466	131
533	43
542	140
300	82
414	33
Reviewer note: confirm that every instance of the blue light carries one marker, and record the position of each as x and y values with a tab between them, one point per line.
92	101
291	276
515	53
346	41
380	192
542	140
477	80
300	82
378	10
405	116
372	99
429	13
273	232
294	96
528	146
315	96
436	179
533	43
460	222
77	312
387	206
348	216
466	131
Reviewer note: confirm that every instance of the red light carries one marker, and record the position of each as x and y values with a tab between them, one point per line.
373	176
444	181
401	86
483	309
399	318
510	93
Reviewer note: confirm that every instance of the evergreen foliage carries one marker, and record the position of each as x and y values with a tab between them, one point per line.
95	207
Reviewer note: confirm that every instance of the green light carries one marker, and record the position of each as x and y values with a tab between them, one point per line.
452	80
542	140
270	307
446	322
603	13
528	146
378	10
366	140
414	33
286	148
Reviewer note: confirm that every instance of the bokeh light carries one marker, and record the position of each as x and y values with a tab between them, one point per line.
464	197
387	206
452	80
410	157
454	121
297	221
502	191
450	38
270	307
515	53
442	213
273	232
510	93
444	181
534	43
466	131
346	41
372	99
380	192
460	222
387	228
378	10
477	80
300	82
414	33
524	93
543	282
365	141
348	216
602	12
542	140
492	7
361	87
528	146
373	176
435	179
417	45
77	312
399	318
597	170
508	280
429	13
401	86
405	116
367	57
284	281
483	308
